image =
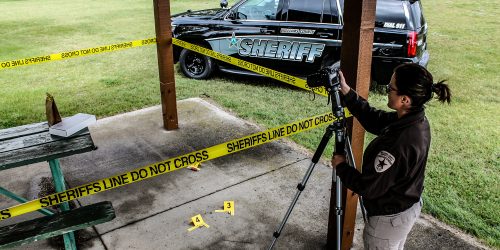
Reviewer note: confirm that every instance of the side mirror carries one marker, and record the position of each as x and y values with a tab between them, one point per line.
223	4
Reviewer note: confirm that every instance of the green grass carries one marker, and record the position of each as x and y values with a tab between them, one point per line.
462	184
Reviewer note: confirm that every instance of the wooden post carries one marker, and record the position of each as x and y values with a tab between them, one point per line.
165	63
356	60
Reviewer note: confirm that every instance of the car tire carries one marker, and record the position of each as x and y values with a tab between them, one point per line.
195	65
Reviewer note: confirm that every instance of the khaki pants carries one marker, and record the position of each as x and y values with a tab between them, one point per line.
390	231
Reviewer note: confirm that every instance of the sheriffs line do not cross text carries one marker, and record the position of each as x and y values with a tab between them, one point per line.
123	179
267	72
26	61
96	50
76	53
119	180
277	133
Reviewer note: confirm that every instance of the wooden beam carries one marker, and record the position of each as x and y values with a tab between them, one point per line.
356	59
165	63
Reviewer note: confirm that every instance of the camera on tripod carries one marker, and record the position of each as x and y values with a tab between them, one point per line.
327	77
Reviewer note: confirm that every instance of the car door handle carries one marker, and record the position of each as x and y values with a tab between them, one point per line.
324	34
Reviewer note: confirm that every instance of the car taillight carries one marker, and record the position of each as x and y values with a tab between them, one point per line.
412	44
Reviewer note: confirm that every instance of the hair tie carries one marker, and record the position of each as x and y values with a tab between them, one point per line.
434	87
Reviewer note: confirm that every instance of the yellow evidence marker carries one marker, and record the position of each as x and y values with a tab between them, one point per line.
198	222
194	167
228	208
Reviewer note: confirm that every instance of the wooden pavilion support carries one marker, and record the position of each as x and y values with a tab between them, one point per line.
165	63
356	60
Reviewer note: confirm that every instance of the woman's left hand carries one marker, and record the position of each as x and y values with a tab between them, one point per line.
337	159
344	88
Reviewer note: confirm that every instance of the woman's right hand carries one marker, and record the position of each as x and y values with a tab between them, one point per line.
337	159
344	88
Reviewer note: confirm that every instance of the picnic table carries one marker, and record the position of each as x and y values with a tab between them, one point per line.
23	145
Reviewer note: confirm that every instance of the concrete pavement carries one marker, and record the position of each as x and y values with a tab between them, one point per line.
155	213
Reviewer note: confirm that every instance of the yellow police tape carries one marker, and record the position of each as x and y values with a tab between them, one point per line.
76	53
286	78
170	165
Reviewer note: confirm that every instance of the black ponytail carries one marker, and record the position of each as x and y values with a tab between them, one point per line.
443	91
416	82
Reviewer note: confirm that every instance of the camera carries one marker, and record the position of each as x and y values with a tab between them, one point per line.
327	77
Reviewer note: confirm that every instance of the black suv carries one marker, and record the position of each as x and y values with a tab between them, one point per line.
297	37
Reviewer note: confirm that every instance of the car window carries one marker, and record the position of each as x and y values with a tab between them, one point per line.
317	11
416	13
258	10
391	14
330	12
305	11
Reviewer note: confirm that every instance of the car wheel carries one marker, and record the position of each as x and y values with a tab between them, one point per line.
195	65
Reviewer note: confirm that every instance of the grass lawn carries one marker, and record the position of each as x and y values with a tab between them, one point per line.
462	184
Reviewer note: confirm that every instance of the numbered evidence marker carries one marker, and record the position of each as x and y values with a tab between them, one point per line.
198	222
194	167
228	208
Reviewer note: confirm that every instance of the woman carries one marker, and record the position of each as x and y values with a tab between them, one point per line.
391	183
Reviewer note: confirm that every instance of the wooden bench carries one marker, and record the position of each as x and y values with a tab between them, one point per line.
23	145
49	226
32	143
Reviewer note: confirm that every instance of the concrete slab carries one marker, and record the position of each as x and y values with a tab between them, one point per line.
155	213
260	203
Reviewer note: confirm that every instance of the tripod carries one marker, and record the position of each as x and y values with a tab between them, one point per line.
342	145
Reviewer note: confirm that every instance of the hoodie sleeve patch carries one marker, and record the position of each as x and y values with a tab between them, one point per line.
383	161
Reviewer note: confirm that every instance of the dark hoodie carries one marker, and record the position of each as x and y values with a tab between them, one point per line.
393	163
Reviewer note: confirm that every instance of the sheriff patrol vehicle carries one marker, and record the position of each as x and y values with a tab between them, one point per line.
297	37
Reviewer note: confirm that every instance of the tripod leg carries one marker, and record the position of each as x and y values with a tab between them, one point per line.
340	144
302	185
338	210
